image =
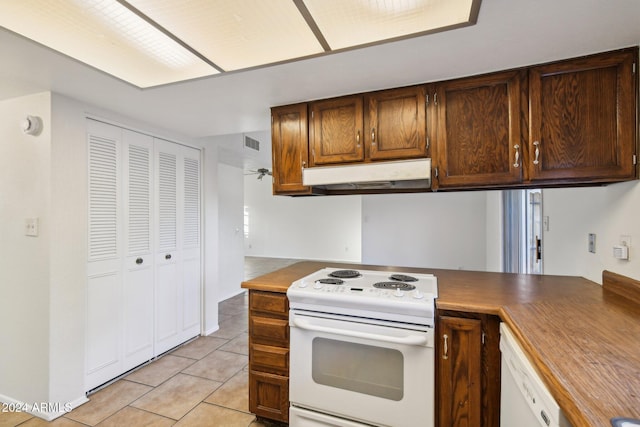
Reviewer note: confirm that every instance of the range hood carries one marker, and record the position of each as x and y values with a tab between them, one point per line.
401	175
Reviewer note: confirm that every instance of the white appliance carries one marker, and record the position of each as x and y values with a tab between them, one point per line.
525	400
362	349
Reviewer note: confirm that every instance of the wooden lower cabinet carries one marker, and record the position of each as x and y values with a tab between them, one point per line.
269	355
467	370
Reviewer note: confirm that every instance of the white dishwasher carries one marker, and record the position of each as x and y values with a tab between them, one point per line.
525	400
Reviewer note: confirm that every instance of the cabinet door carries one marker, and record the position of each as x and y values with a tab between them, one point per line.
269	396
583	119
459	372
290	149
396	124
335	134
478	136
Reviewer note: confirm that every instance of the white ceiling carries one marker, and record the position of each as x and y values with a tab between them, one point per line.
509	33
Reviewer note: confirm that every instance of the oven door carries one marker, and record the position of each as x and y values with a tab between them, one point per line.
376	372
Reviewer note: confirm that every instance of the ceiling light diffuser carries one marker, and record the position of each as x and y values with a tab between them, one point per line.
347	24
107	36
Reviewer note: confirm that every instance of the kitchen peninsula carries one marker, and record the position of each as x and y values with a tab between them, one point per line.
582	337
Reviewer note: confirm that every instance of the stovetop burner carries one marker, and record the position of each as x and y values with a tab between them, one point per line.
372	294
330	281
345	274
403	278
394	285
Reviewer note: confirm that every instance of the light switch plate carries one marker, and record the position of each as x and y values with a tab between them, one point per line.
592	243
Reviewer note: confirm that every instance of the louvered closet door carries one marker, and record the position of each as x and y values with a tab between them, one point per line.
177	283
190	242
168	286
138	244
104	284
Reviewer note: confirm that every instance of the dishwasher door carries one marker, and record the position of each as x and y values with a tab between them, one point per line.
525	400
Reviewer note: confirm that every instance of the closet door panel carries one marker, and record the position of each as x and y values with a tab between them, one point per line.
190	243
103	344
168	284
104	255
138	267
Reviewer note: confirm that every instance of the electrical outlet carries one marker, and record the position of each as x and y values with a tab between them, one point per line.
31	227
592	243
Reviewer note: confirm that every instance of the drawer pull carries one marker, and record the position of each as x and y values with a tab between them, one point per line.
139	261
445	354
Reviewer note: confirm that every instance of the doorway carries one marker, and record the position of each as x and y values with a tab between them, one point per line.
522	231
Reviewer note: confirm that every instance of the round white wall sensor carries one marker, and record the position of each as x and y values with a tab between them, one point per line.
31	125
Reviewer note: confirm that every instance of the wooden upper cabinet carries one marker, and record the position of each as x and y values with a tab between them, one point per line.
290	152
396	124
478	132
583	119
335	134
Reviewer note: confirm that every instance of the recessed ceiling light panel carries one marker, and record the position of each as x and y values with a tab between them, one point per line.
236	34
107	36
346	24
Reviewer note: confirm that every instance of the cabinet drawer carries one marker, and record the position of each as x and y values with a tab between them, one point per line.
269	329
269	358
269	396
269	302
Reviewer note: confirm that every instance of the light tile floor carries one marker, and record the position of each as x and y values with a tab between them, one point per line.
201	383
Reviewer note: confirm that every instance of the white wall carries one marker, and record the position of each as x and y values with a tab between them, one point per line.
210	215
230	230
24	261
437	230
608	212
314	227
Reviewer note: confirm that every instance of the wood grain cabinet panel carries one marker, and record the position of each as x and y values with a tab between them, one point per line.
583	119
269	396
290	148
467	370
396	124
269	355
335	135
478	138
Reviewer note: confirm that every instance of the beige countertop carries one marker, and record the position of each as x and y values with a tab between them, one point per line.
583	338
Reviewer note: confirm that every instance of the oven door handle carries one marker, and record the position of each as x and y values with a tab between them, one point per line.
421	339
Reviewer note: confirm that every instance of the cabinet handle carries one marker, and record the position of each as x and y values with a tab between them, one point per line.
517	162
445	355
139	261
373	136
167	256
358	138
537	152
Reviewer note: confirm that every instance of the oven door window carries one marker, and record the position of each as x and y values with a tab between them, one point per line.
366	369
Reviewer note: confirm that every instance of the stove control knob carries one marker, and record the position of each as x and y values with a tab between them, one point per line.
418	295
317	285
302	285
398	293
